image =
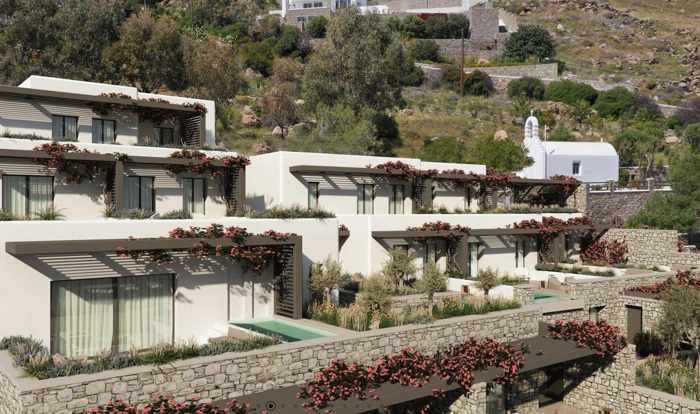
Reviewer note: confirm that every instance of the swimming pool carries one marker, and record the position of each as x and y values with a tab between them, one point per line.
539	295
285	330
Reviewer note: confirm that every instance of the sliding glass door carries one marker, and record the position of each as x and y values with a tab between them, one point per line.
95	315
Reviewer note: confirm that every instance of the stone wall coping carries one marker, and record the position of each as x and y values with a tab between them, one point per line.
686	402
562	305
25	383
622	278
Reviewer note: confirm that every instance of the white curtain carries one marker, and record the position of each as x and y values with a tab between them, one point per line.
145	306
82	317
14	195
193	195
40	194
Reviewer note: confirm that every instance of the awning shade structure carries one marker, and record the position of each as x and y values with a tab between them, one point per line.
543	352
288	289
418	234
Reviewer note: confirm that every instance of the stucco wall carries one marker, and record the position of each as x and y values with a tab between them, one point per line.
269	182
208	293
231	375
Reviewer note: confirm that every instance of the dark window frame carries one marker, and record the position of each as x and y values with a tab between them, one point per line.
160	135
576	168
191	180
63	127
102	138
27	190
115	298
153	192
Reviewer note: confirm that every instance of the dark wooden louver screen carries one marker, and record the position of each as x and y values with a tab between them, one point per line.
234	183
110	187
192	131
287	299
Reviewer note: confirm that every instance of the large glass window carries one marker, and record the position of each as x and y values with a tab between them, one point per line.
165	136
138	193
26	196
194	195
103	131
64	128
473	267
90	316
396	199
313	196
365	199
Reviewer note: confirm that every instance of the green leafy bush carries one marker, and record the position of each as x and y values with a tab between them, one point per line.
691	136
433	281
478	83
293	212
424	50
375	294
317	27
487	279
399	267
577	270
451	307
528	87
668	375
174	215
32	356
648	343
530	41
615	103
570	92
327	275
127	214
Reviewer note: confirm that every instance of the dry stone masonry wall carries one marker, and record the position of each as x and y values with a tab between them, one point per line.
231	375
654	247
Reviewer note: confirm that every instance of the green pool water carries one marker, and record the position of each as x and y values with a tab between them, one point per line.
544	295
286	331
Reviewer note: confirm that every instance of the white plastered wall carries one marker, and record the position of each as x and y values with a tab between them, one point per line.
269	182
207	295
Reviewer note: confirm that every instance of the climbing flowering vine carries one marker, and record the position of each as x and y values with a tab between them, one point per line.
410	368
551	227
75	170
599	336
605	252
200	163
253	258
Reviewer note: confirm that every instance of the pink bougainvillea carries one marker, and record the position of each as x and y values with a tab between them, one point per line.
686	279
603	252
599	336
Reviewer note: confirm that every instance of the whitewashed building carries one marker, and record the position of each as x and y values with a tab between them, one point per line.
588	162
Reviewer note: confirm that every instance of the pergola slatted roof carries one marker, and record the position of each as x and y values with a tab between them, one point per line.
417	234
40	93
334	170
96	157
20	248
544	352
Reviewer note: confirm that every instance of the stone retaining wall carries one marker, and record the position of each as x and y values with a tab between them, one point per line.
652	310
613	388
539	71
618	205
9	399
603	292
651	247
413	301
234	374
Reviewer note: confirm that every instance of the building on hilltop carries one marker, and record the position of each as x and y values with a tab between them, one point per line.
588	162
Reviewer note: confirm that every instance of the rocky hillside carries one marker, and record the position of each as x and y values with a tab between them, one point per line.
651	44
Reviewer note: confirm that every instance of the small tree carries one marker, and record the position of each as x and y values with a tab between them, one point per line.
680	322
692	136
570	92
487	279
530	41
375	295
280	106
561	133
615	103
317	27
433	281
325	276
400	266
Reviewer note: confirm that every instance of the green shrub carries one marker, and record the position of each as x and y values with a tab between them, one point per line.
561	133
6	216
478	83
487	279
317	27
399	267
668	375
424	50
375	294
615	103
110	212
577	270
451	307
32	356
691	136
50	214
570	92
528	42
293	212
450	27
648	343
327	275
432	281
174	215
528	87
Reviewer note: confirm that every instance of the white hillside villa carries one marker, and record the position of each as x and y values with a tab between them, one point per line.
588	162
112	209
